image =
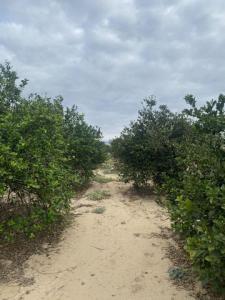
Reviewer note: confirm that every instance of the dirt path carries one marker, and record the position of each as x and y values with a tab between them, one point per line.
118	254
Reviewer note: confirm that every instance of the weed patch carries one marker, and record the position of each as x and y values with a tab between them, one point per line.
99	195
102	179
99	210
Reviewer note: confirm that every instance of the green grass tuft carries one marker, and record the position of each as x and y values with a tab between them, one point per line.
102	179
176	273
99	195
99	210
108	167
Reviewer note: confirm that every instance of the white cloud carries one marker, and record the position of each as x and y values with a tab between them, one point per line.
105	56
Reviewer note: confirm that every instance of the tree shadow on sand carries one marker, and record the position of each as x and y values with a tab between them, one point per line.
14	255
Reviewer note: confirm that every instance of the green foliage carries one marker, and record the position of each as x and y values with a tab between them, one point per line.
99	210
38	170
102	179
145	151
184	155
10	92
108	166
176	273
99	195
85	150
198	212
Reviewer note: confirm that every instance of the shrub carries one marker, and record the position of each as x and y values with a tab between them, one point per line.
184	155
85	150
32	162
40	159
145	151
199	209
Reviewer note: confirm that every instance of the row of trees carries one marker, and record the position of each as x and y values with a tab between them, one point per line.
46	153
183	154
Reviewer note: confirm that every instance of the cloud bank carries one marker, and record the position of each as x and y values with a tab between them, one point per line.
106	55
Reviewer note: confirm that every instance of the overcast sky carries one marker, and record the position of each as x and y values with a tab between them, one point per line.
106	55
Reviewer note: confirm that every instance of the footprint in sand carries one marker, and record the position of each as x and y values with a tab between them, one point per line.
135	288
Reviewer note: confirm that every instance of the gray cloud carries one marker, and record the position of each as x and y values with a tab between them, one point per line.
105	56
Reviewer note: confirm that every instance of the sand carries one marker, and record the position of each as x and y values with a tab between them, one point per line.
118	254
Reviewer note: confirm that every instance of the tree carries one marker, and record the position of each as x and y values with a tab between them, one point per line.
44	153
84	148
145	150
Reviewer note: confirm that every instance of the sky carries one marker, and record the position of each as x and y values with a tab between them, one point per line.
105	56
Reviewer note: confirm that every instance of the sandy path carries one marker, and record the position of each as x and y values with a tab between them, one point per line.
114	255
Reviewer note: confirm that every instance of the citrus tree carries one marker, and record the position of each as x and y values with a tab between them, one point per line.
45	153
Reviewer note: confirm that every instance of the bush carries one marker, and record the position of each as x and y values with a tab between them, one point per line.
32	171
85	150
199	209
40	159
145	151
184	155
